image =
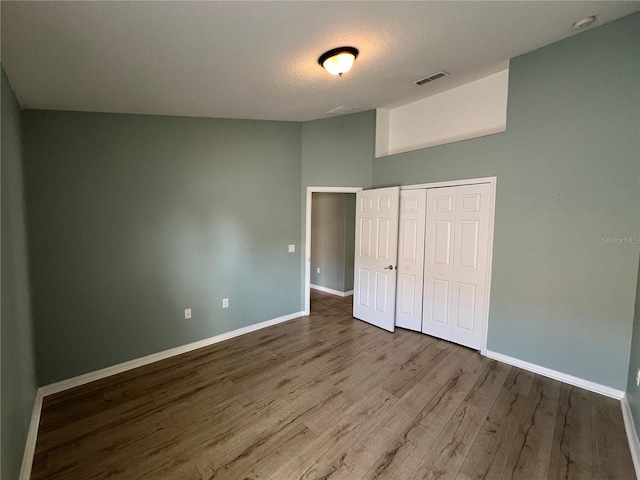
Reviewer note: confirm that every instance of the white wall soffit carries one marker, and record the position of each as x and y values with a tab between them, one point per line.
472	110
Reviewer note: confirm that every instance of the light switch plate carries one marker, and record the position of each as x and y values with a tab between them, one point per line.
187	313
292	248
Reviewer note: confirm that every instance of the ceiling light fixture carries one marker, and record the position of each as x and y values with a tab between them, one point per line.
585	22
338	60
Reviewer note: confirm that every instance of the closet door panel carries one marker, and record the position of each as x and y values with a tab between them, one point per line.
470	257
438	274
411	259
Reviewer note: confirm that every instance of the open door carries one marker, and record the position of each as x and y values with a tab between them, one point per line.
376	255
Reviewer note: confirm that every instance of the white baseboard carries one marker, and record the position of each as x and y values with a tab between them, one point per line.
331	290
632	434
563	377
30	448
32	437
139	362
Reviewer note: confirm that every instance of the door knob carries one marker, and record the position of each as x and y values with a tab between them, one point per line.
390	267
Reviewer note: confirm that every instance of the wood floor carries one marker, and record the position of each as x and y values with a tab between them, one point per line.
330	397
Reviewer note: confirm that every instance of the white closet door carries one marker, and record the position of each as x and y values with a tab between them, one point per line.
438	275
411	259
457	250
470	256
376	256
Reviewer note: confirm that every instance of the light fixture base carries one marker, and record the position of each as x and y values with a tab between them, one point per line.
338	61
583	23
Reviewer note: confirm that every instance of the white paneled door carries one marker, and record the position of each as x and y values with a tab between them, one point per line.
456	263
376	256
411	259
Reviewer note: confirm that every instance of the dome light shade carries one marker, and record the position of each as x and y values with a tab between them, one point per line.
339	60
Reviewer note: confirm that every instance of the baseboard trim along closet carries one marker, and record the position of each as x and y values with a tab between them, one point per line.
563	377
30	448
331	290
632	434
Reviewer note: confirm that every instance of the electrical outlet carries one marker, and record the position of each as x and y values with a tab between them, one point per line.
318	270
638	378
225	303
292	248
187	313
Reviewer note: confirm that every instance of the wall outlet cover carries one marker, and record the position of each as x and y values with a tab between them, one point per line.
225	303
292	248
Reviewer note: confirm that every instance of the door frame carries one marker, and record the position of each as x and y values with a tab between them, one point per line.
492	181
307	239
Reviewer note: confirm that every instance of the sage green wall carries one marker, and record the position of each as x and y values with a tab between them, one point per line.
336	152
134	218
568	176
633	391
18	385
332	240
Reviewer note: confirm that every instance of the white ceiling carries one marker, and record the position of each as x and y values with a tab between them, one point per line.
259	59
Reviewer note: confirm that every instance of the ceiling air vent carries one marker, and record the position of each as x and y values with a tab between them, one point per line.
431	78
342	109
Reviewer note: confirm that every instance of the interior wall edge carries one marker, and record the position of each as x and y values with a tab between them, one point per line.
19	383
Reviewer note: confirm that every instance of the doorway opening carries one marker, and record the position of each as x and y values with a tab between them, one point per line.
329	254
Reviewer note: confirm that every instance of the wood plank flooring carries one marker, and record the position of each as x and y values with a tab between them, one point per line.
330	397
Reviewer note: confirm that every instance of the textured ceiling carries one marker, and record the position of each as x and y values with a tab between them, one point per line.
259	59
